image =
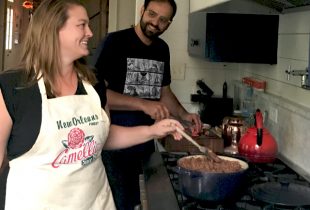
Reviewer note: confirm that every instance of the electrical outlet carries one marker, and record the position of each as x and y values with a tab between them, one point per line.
273	114
178	72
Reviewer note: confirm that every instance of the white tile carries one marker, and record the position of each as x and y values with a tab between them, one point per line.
297	22
292	130
294	46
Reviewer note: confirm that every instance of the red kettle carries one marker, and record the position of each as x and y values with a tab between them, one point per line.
257	144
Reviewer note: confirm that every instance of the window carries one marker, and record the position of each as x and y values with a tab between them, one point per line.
9	29
9	26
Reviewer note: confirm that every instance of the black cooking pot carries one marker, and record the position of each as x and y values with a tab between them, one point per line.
210	186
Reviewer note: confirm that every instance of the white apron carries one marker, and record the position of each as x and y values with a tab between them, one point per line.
63	170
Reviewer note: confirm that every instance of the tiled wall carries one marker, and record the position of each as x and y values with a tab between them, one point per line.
291	130
214	74
292	102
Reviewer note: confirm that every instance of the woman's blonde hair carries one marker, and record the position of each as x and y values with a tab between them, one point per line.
41	50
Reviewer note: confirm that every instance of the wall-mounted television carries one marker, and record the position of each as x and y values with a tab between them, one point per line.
231	37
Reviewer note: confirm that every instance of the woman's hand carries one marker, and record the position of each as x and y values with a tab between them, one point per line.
166	127
123	137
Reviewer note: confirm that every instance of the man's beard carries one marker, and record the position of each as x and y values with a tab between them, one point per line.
150	34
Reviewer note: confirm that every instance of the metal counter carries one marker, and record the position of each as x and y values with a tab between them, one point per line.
159	193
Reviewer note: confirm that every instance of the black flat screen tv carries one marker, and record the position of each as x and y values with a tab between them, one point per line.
242	38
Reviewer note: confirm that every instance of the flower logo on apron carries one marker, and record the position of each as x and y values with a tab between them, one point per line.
75	138
77	148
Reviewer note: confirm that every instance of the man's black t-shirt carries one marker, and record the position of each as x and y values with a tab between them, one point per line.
130	67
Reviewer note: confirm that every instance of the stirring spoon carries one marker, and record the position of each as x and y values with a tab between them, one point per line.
202	149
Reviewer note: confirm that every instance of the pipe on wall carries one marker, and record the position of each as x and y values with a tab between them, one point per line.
309	64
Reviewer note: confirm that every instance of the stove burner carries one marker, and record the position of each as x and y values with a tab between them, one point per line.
275	207
257	174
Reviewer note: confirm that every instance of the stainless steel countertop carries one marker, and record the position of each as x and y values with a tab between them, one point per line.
159	191
295	167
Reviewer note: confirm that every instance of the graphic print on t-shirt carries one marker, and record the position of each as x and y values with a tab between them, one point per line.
144	78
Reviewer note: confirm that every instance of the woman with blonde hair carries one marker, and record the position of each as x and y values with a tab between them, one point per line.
53	127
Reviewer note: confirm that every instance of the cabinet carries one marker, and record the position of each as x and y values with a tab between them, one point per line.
98	19
233	37
197	34
196	5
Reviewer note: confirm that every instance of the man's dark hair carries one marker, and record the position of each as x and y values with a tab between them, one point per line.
171	2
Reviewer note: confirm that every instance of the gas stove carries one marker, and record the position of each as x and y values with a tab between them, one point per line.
257	174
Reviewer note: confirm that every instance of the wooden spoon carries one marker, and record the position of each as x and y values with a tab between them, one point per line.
207	151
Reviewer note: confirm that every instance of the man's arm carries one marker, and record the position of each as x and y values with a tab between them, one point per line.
172	103
117	101
176	109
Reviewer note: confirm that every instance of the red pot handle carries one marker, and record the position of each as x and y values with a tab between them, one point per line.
259	126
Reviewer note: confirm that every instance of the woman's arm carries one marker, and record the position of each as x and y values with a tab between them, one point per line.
122	137
5	128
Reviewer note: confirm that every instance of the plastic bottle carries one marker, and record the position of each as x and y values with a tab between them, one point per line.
225	90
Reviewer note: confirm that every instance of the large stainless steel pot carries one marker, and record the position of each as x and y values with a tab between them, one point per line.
210	186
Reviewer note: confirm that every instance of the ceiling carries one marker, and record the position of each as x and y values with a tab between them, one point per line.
282	5
35	3
279	5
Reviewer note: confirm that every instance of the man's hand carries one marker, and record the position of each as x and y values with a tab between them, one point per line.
157	110
195	120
